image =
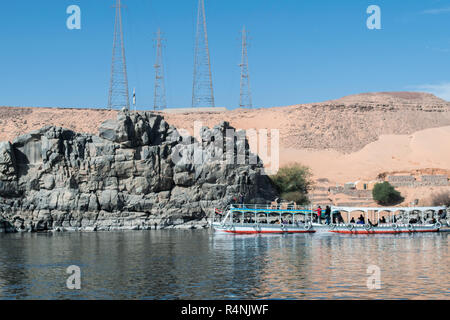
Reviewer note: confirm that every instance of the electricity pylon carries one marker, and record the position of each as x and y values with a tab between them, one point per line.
118	89
246	94
160	89
202	89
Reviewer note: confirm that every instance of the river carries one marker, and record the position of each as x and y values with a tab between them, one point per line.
201	265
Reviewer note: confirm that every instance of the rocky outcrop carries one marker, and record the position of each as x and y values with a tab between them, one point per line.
138	172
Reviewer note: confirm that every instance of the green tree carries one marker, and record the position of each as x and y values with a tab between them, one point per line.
293	182
385	194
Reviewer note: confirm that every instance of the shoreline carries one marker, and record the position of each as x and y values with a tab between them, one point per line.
202	224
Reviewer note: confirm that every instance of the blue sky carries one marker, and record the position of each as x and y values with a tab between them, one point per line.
301	50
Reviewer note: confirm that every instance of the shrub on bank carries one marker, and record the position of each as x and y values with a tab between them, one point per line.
385	194
293	182
298	197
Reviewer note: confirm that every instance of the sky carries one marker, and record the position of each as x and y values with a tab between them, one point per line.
301	51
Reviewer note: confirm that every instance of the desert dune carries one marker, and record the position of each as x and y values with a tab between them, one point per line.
428	148
356	137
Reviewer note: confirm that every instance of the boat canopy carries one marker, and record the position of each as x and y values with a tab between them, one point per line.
388	209
296	210
257	209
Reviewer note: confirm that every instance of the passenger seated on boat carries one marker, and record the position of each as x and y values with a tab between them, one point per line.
383	219
336	214
353	220
370	223
361	219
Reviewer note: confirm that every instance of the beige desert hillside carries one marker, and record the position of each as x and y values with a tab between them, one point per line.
356	137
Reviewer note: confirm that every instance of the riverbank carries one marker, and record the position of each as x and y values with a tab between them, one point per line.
6	227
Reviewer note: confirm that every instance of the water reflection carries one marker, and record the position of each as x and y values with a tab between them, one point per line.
204	265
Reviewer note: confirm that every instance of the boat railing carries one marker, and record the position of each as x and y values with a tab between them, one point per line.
287	207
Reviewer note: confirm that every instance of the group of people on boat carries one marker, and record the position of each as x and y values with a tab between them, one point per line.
336	217
326	215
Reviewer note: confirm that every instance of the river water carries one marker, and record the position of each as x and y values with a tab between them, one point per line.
204	265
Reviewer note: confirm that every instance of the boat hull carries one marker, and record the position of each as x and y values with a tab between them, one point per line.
384	230
343	229
255	229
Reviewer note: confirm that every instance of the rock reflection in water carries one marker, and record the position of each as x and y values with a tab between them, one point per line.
204	265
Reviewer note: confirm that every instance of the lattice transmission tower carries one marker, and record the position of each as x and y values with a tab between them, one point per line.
202	91
246	94
118	89
160	89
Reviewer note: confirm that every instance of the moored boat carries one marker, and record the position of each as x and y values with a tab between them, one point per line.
269	219
265	219
399	220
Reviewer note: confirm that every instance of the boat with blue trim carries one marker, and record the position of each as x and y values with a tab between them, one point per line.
276	219
253	219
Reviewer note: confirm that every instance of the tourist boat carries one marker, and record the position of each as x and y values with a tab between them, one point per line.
253	219
399	220
279	219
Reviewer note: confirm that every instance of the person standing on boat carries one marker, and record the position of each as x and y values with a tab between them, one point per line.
328	214
241	198
319	214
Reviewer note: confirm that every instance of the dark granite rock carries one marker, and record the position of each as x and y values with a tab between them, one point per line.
139	171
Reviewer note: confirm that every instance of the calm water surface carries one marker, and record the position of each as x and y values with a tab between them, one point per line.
204	265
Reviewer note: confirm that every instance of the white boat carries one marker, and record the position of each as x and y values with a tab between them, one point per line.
400	220
266	219
254	219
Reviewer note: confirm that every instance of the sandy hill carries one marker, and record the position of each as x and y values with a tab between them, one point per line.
395	99
356	137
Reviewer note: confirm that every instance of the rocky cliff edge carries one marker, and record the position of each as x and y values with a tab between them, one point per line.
139	171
